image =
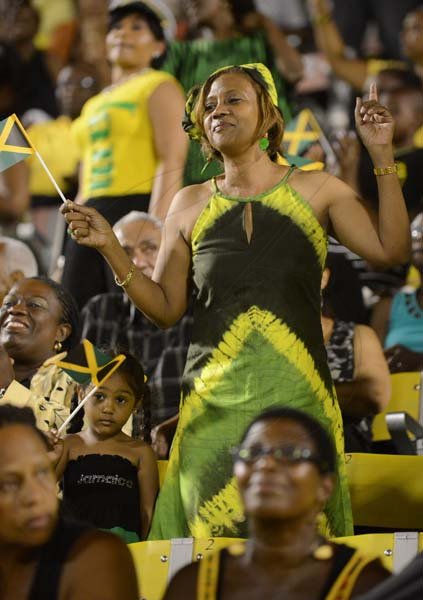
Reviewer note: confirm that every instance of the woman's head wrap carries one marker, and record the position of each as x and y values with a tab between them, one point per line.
257	71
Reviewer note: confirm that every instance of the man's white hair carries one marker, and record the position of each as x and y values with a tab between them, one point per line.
18	257
137	215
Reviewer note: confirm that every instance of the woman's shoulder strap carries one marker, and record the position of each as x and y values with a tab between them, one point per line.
288	173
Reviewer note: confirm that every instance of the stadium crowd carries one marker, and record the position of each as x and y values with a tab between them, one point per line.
224	197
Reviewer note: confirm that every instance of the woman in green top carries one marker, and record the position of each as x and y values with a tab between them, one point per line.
252	242
226	34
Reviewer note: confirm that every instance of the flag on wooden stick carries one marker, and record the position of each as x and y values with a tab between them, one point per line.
15	146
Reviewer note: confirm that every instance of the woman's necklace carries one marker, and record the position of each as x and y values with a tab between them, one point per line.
112	86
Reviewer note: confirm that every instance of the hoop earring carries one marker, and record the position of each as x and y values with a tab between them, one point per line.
57	346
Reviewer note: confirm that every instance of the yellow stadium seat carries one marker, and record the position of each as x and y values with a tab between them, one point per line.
151	565
406	396
157	561
386	490
380	544
395	550
162	467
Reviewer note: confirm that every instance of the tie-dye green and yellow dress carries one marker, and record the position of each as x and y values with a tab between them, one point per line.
257	343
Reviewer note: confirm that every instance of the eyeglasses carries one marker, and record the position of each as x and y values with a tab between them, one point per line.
283	454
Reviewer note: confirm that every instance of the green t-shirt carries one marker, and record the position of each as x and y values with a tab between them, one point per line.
191	62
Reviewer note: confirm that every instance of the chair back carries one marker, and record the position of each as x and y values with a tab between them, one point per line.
386	490
406	396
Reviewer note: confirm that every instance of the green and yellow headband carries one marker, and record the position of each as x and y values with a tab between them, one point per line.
257	71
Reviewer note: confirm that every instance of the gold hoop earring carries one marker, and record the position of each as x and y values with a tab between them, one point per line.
57	346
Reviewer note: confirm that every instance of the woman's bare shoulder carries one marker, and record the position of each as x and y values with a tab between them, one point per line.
74	440
313	178
99	566
187	206
190	197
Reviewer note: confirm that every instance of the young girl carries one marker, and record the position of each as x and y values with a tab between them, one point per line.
110	479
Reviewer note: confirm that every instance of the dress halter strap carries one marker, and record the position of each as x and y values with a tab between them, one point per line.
288	173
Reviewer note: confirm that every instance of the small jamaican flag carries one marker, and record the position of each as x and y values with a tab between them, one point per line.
85	363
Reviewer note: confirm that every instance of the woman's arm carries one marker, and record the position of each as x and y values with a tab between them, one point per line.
288	60
329	41
382	238
379	320
59	452
164	298
99	567
369	392
162	436
166	109
148	481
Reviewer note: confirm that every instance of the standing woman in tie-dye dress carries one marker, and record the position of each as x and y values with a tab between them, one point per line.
252	244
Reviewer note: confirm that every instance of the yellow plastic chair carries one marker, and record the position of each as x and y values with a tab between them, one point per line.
379	544
151	565
157	561
395	550
386	490
405	397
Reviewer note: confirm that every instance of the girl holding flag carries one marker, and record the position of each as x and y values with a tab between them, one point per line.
109	479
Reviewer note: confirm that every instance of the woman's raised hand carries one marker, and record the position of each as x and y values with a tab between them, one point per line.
86	226
374	123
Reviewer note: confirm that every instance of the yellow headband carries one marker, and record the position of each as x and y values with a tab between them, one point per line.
257	71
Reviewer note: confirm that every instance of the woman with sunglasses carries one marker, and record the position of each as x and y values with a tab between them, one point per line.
284	468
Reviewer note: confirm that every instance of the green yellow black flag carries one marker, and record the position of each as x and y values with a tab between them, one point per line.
14	143
301	132
85	363
15	146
